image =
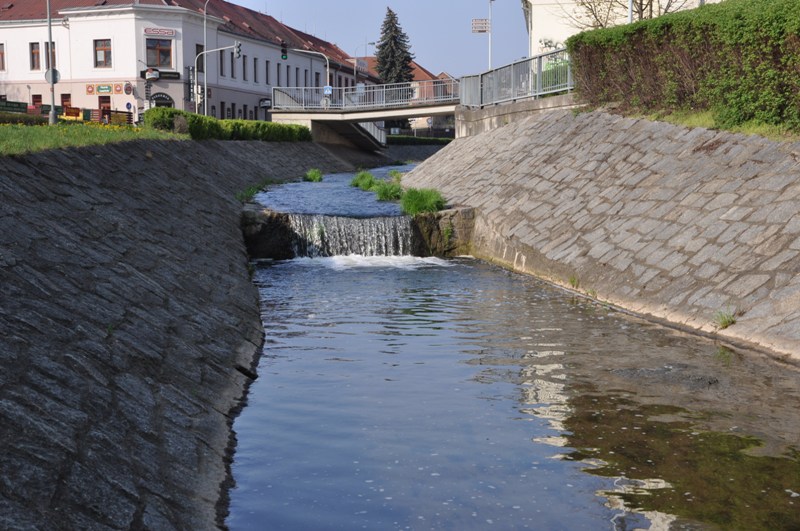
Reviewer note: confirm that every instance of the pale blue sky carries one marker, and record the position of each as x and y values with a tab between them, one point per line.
440	31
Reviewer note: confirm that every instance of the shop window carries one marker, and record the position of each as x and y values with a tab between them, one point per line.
159	53
102	53
50	55
36	63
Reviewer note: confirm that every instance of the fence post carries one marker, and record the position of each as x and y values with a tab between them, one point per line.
538	76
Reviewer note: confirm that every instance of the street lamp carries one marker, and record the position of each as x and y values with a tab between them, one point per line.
327	63
491	33
52	74
355	63
205	63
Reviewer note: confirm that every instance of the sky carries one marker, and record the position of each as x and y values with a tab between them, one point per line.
439	31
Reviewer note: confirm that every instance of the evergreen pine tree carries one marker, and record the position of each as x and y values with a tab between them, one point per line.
393	52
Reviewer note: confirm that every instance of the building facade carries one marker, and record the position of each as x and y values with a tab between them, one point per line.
129	55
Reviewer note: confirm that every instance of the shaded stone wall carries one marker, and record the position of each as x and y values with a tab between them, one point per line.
669	222
128	328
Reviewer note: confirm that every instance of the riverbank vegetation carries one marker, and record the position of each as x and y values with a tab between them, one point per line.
201	127
413	201
736	62
17	139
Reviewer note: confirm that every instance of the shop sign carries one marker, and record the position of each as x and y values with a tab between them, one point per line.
160	32
128	88
117	88
104	89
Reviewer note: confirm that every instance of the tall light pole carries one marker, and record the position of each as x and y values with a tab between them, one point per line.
327	63
355	63
491	33
205	63
51	67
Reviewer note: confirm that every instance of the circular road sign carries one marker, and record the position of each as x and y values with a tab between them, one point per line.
52	76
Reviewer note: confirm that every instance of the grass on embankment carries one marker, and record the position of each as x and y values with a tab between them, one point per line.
780	133
20	139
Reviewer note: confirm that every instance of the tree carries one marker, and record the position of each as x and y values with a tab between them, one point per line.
605	13
393	52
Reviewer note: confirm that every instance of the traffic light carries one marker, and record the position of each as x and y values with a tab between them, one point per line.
284	51
237	49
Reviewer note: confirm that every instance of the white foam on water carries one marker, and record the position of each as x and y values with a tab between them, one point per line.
357	261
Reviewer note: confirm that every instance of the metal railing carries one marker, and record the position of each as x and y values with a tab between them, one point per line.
365	98
373	129
544	74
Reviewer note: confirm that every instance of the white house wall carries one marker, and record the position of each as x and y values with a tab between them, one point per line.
125	26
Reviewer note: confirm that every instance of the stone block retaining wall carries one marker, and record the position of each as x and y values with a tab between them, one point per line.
128	329
674	223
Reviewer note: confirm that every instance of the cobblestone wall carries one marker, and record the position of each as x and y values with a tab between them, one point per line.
669	222
128	329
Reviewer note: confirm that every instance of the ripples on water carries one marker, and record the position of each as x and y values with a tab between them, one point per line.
407	393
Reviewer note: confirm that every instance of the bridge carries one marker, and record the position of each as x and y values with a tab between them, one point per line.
351	112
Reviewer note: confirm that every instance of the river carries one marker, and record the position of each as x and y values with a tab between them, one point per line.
419	393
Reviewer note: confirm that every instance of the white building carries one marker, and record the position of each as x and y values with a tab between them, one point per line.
557	20
126	55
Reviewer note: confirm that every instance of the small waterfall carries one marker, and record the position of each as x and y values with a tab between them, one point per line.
317	235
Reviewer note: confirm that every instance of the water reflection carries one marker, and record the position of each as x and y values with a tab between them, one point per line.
430	395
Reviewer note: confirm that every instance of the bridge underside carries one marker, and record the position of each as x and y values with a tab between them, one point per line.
336	127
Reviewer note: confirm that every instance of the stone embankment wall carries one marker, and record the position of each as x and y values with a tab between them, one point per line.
129	329
673	223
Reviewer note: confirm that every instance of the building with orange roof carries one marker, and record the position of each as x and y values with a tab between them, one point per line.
128	55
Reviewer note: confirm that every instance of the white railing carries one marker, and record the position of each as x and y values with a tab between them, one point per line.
377	132
537	76
365	98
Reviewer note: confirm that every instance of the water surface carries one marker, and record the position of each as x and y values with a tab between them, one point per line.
409	393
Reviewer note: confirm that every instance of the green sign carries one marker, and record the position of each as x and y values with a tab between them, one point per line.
104	89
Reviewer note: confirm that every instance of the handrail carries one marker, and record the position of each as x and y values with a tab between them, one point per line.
537	76
365	98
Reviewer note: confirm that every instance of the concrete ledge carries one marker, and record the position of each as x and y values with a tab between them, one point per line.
471	122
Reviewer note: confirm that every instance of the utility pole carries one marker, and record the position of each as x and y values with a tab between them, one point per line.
491	33
51	71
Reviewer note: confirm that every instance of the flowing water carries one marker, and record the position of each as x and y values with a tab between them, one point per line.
418	393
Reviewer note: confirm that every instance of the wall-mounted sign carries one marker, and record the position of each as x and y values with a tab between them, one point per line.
170	75
117	88
151	74
481	25
265	103
160	32
128	88
104	89
90	90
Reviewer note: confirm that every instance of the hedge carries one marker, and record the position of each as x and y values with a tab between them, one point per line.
202	127
20	118
739	58
407	140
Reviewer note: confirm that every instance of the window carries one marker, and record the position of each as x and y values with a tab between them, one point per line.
296	77
244	68
244	112
66	100
305	77
159	53
2	57
233	66
232	111
266	74
316	79
102	53
255	69
222	73
288	76
278	72
35	59
50	55
201	60
36	99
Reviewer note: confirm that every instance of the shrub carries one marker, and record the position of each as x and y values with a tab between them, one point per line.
388	190
739	58
206	128
162	118
416	200
407	140
364	180
313	175
21	118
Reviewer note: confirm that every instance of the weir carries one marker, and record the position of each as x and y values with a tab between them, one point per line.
317	235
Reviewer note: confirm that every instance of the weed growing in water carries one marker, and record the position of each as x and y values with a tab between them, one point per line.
314	175
416	200
387	190
364	180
